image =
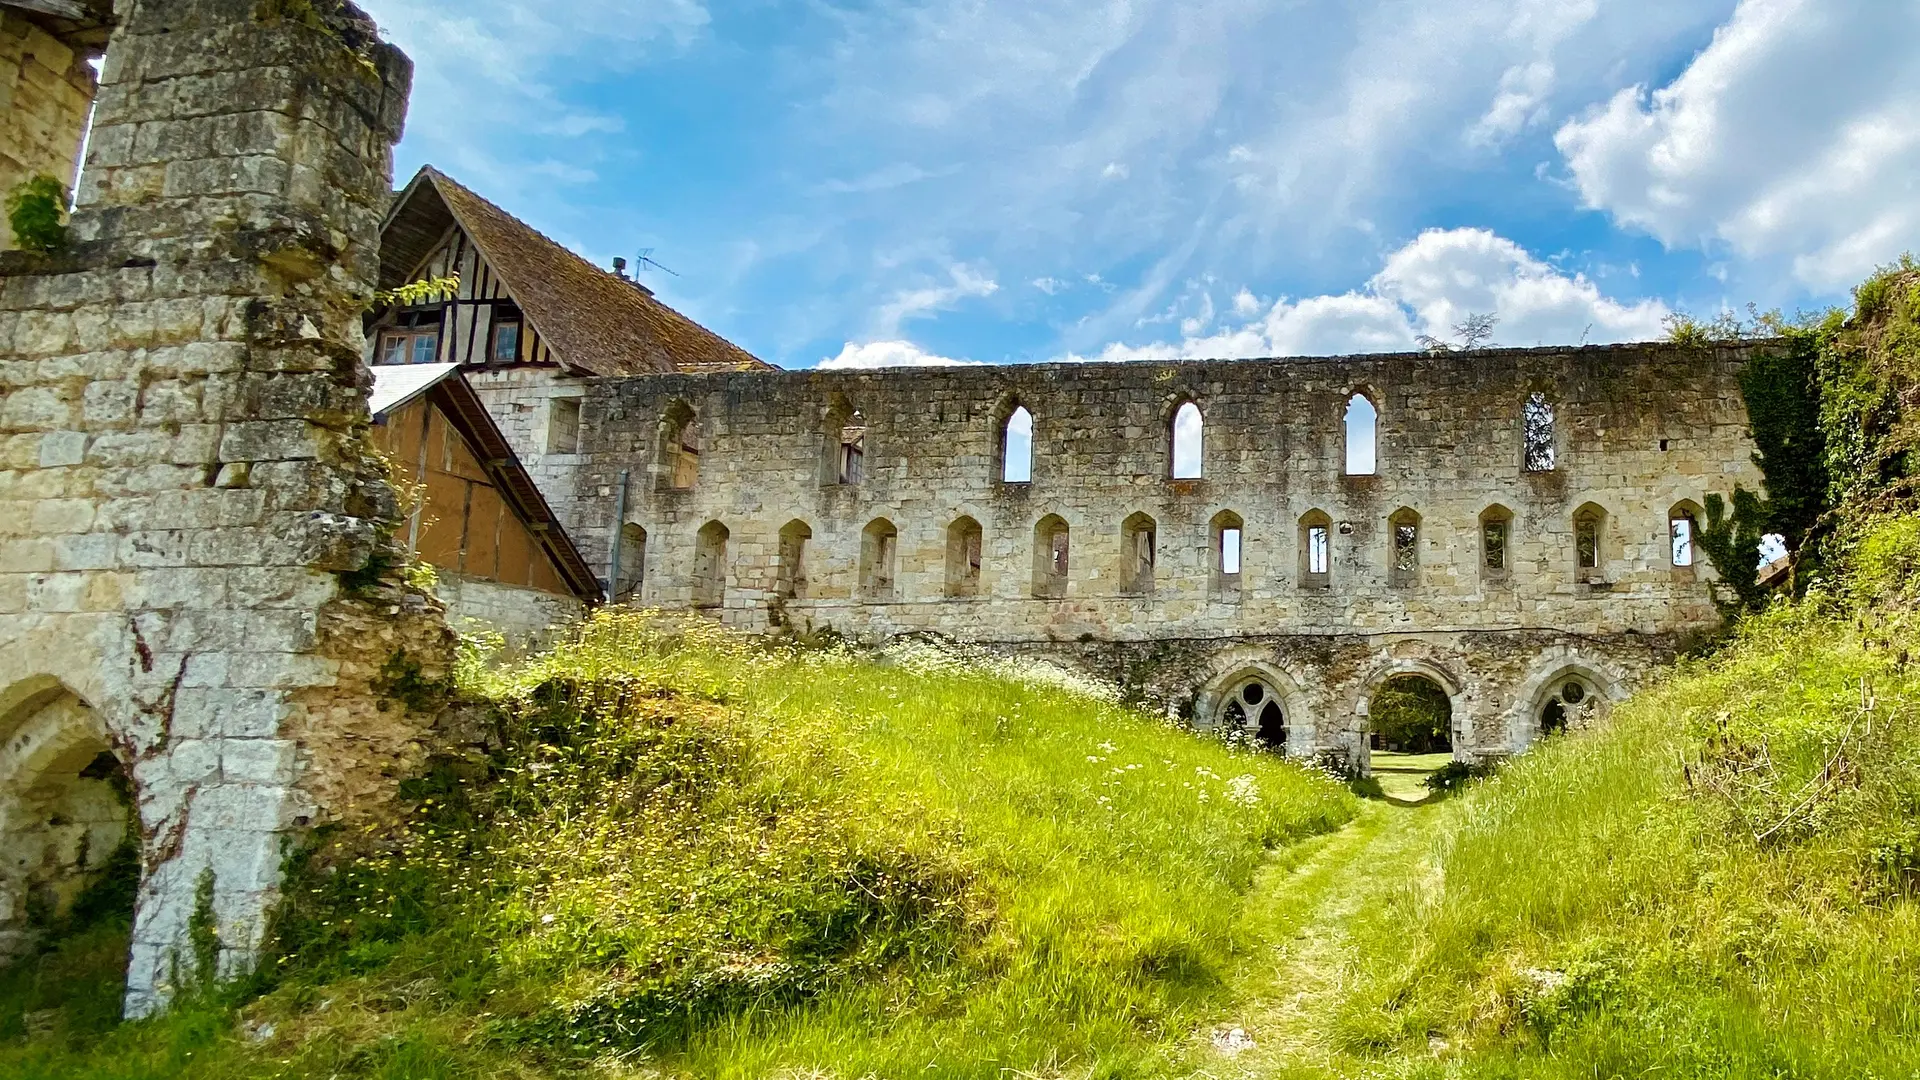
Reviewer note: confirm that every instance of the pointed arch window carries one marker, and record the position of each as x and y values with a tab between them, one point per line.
1403	536
965	539
710	565
795	538
1316	550
1229	540
1139	536
1188	435
1496	535
633	562
1536	430
1051	540
1589	542
1016	447
679	448
1362	436
879	545
843	459
1683	525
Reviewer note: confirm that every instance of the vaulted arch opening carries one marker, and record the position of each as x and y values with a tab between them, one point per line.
879	551
1362	425
1139	543
1253	709
1051	540
790	582
965	539
677	453
710	565
1016	446
1410	713
69	849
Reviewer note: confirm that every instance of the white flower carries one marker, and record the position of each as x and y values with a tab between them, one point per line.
545	919
1244	790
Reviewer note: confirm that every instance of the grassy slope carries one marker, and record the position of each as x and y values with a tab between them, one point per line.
1721	882
798	861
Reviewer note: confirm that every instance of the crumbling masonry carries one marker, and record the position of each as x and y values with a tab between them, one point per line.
1513	563
191	527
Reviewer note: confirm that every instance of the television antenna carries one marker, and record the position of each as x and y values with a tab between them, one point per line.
646	261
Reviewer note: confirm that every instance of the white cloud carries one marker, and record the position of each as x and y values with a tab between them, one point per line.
1245	303
1791	137
1115	171
1519	103
884	354
918	303
1051	285
1427	286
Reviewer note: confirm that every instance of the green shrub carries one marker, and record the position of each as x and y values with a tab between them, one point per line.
37	213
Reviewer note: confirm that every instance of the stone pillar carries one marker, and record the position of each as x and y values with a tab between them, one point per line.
195	536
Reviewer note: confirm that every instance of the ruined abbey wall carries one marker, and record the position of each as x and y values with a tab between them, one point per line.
46	89
1638	432
191	524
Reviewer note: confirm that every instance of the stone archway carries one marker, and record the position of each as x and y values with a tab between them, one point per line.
65	808
1565	692
1259	701
1358	735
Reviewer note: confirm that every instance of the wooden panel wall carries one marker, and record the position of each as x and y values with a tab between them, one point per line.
463	524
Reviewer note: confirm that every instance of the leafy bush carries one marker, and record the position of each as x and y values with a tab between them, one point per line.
37	213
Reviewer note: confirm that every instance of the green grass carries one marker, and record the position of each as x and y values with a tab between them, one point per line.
696	855
1720	882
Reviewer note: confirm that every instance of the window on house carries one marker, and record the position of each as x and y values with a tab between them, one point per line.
1188	442
964	542
1404	528
633	562
1050	551
791	573
1139	537
1363	435
1496	525
1537	432
710	565
409	346
1016	447
843	460
1681	525
879	542
1588	536
505	348
563	426
1316	557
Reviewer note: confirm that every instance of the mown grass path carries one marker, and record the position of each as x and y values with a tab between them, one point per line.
1302	909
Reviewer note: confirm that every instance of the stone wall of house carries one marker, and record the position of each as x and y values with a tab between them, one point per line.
1639	433
526	618
191	525
46	90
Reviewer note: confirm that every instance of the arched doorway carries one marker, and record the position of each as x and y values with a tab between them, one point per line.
67	849
1254	708
1410	713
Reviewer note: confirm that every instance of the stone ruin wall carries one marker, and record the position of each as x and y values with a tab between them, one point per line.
185	479
1639	429
46	90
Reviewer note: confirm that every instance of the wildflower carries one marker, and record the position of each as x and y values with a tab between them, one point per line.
1244	790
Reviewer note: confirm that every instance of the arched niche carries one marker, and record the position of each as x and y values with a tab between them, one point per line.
1602	684
66	811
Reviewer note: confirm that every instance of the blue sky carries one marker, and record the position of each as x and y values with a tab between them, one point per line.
1017	180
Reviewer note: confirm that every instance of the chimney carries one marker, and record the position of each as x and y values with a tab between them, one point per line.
619	267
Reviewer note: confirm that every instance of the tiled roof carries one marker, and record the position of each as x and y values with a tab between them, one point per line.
593	320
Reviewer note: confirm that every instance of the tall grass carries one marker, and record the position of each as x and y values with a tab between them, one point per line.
690	852
1719	882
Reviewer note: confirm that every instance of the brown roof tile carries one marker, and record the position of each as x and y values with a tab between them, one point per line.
593	320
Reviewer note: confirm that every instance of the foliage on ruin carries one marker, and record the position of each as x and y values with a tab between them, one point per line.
729	857
37	214
1832	404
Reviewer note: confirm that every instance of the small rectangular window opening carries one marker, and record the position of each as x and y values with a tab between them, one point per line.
1494	536
883	564
1317	560
1230	550
563	427
1057	564
1682	541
